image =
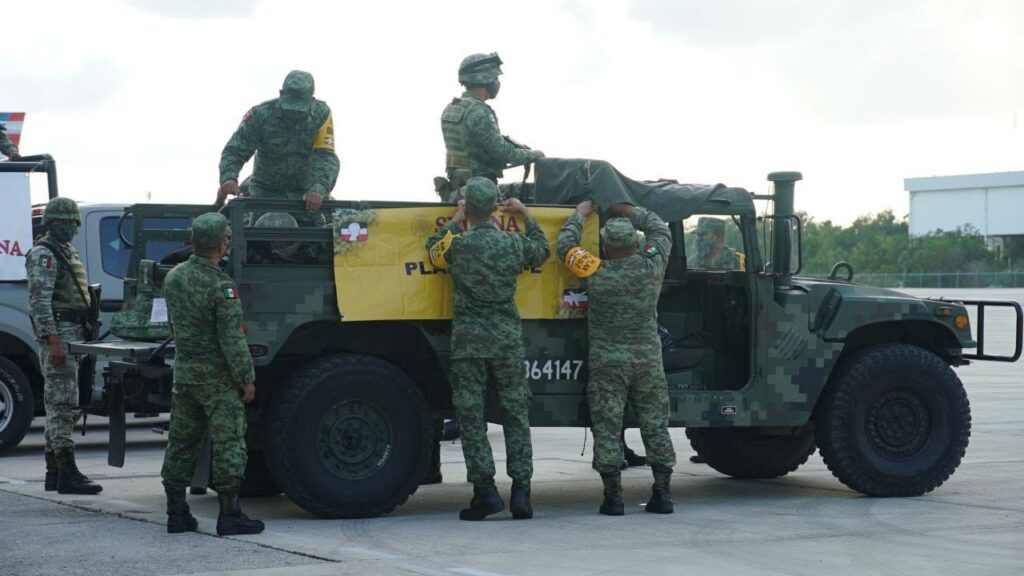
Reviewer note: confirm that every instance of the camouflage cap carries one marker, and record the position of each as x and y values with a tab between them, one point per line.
61	208
297	91
710	225
481	194
619	233
208	230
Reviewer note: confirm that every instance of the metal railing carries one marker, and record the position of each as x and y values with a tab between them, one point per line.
938	279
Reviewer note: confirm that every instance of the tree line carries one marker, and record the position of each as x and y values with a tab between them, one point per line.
881	243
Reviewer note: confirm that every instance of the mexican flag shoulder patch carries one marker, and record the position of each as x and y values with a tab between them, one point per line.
230	293
650	250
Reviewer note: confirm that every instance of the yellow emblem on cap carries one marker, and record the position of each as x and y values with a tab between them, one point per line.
439	250
581	263
325	135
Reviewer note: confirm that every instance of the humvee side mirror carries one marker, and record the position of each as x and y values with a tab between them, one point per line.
782	239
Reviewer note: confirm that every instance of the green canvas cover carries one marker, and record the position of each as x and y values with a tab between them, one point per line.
571	180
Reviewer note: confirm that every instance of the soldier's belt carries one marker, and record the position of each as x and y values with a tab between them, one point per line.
73	316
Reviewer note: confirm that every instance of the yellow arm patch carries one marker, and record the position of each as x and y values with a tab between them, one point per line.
743	261
581	263
439	251
325	135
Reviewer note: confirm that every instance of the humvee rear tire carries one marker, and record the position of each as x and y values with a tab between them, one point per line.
750	452
350	436
894	421
17	405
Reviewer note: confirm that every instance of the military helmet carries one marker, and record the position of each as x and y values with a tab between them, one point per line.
61	208
282	248
480	69
710	225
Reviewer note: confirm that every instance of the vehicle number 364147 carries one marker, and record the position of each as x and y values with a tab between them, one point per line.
553	369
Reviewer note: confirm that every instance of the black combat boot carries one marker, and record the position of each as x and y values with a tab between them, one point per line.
179	518
519	502
485	502
612	505
661	497
698	459
632	458
231	520
69	479
50	483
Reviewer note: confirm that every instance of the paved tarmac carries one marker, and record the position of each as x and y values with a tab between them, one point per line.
804	524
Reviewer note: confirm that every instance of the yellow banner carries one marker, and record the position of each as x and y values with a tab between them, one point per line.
382	270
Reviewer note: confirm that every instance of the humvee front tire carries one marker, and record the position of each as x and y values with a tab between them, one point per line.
751	452
894	421
349	437
17	405
258	482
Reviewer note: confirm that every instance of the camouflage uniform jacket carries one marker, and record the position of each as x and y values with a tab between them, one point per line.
484	264
206	317
473	140
51	286
7	148
623	293
292	156
728	259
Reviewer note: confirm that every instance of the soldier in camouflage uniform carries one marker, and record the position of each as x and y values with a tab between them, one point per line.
213	377
712	253
625	349
293	139
487	342
472	139
59	302
7	148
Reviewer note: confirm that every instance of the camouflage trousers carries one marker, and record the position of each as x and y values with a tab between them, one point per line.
643	384
469	389
194	410
60	389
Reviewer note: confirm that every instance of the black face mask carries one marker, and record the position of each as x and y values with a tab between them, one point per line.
493	87
63	230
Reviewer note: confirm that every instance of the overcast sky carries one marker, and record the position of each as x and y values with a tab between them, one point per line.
139	96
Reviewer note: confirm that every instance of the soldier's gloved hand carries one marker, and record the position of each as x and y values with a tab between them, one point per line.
57	356
515	206
535	154
248	392
585	208
460	213
229	188
313	201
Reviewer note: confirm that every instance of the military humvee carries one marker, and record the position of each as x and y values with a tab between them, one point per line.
763	366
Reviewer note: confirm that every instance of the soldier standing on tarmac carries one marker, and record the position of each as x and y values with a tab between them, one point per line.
213	377
487	342
625	349
59	304
293	139
472	139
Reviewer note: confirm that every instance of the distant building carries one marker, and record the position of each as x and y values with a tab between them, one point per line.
991	204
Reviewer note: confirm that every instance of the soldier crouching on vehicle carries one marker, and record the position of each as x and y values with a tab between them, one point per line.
625	348
59	304
213	377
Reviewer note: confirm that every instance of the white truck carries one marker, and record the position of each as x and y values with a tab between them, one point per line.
106	260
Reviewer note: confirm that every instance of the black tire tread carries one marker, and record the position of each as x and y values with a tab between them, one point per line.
285	410
841	396
13	436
